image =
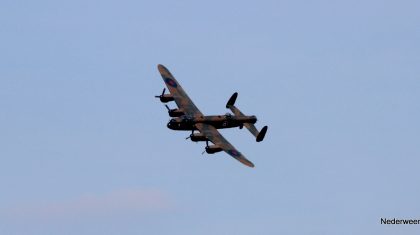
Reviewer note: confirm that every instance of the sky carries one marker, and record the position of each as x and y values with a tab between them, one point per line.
84	146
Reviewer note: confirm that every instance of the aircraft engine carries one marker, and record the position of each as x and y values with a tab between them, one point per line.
174	112
198	137
213	149
165	98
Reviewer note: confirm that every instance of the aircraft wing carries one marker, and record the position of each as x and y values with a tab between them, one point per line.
181	98
214	136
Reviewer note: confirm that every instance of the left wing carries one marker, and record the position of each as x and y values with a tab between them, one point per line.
214	136
181	98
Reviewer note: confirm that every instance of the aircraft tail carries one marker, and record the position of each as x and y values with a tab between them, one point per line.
259	135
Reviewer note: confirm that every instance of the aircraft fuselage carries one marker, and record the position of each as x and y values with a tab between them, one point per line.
186	123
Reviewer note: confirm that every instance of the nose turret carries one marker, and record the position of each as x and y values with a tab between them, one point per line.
170	124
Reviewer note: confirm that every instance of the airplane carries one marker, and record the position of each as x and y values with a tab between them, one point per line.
187	117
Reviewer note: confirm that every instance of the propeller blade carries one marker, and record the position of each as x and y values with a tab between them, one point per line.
203	152
163	92
167	107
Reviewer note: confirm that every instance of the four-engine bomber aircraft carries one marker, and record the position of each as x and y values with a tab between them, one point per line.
187	117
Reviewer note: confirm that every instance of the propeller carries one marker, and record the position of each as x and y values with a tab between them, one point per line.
169	110
207	145
192	133
163	92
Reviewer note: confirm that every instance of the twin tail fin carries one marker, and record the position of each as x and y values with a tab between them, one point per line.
259	135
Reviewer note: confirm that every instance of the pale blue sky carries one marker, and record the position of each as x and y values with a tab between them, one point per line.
84	147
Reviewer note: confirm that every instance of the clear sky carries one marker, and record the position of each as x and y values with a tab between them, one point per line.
84	147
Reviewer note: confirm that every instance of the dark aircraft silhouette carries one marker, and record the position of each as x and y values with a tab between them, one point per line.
187	117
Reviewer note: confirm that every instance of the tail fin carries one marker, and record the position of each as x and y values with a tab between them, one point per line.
231	101
259	135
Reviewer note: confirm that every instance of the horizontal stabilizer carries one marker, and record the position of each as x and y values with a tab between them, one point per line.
259	135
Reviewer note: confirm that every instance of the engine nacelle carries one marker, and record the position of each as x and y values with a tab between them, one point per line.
213	149
166	98
175	112
198	137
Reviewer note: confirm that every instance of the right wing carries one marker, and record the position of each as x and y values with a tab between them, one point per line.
181	98
214	136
